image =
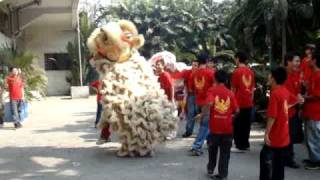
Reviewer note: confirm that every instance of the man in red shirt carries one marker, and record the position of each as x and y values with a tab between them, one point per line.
203	79
165	80
15	86
243	85
277	131
312	115
293	85
192	108
221	104
305	66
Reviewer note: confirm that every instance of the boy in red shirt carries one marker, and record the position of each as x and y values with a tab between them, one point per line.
15	86
293	85
221	104
165	80
192	108
312	115
203	79
277	131
243	85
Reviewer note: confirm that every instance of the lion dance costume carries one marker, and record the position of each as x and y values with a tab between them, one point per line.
135	107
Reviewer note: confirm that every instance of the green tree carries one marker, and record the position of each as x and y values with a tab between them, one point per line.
183	27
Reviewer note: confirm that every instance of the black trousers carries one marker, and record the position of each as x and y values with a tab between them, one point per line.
242	127
221	143
293	130
272	163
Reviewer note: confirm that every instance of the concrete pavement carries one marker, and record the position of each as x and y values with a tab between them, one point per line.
58	142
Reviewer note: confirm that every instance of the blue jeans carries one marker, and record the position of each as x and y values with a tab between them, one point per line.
99	111
312	139
192	111
15	110
202	134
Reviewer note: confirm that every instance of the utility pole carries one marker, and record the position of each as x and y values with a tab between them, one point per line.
79	47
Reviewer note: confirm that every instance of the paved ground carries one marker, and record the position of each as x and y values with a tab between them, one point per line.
58	142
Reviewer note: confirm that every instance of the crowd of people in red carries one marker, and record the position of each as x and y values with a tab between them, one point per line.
224	108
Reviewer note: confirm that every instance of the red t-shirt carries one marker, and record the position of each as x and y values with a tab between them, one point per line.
312	107
306	70
278	109
97	84
15	85
224	104
186	75
202	80
293	85
166	83
243	83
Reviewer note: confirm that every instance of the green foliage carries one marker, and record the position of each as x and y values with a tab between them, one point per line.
33	76
180	26
300	19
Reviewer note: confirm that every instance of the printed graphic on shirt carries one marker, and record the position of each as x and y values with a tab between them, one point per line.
247	81
286	108
221	105
199	83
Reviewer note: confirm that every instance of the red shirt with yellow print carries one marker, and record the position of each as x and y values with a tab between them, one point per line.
293	85
306	70
223	105
243	83
278	110
311	108
202	80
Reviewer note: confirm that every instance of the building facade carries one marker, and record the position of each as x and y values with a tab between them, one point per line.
44	28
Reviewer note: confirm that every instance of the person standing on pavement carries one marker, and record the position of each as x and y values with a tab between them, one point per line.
16	88
243	85
221	104
293	85
192	108
311	112
276	135
203	79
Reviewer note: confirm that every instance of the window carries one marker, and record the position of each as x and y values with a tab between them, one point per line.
57	61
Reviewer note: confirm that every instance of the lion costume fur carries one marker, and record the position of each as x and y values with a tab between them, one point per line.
134	105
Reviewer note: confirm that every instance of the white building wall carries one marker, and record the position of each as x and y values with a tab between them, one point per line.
49	39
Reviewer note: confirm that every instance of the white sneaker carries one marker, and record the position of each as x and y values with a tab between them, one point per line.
236	150
171	136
